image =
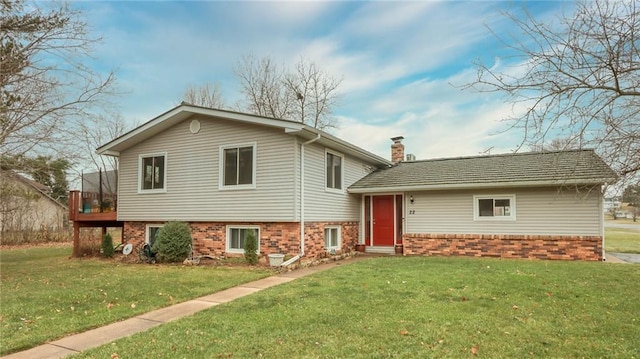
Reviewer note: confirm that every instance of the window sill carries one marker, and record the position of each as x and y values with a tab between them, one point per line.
494	219
151	191
333	190
237	188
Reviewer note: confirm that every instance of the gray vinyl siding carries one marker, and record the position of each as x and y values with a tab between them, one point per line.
326	205
193	176
542	211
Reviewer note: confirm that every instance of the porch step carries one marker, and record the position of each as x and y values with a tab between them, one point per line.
380	250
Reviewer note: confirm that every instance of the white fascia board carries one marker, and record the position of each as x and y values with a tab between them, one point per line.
138	131
180	113
339	145
475	186
109	153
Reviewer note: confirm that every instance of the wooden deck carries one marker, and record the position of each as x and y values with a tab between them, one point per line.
84	215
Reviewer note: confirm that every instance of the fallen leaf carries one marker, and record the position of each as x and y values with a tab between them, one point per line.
464	299
515	307
474	349
133	305
114	356
109	305
404	332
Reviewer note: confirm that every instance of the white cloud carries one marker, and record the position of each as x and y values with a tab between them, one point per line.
397	59
436	119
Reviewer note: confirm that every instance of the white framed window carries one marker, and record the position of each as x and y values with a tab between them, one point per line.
237	235
332	237
151	233
334	171
494	207
238	166
152	172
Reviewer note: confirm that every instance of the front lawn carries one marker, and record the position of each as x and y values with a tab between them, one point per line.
622	240
415	308
45	294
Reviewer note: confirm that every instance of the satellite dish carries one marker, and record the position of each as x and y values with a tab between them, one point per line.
128	248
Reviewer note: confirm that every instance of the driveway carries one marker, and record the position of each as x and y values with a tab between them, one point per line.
631	226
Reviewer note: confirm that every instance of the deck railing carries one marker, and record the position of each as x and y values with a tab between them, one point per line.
81	203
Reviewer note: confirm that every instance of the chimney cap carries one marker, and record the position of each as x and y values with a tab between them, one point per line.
397	139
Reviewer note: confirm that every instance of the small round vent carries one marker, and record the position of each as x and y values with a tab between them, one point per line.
194	127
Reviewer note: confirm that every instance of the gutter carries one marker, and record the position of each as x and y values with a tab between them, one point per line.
461	186
301	254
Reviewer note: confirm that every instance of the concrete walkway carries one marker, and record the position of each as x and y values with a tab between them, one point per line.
611	258
629	258
93	338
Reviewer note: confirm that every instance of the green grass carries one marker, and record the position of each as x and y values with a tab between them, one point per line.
414	308
622	240
46	295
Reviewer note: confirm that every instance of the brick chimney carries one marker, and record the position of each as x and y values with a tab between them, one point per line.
397	149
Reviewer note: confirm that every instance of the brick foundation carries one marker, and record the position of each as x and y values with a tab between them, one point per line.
504	246
209	237
314	242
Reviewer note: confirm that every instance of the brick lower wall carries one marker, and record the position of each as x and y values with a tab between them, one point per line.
209	237
314	242
504	246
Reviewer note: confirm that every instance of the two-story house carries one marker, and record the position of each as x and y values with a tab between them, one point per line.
305	192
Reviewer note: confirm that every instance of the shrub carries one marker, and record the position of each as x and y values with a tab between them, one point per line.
107	246
173	242
250	248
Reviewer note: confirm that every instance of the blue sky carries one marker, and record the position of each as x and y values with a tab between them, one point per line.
398	61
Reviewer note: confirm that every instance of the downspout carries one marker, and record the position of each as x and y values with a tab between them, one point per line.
301	254
601	205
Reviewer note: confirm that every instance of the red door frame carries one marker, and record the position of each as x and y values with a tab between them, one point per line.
382	219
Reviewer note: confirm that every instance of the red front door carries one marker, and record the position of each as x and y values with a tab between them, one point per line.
383	221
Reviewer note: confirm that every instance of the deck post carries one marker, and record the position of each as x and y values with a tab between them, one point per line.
74	205
76	239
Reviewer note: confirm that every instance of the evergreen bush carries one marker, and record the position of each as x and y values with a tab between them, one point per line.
173	242
107	246
250	248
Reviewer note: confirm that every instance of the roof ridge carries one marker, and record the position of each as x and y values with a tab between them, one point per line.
497	155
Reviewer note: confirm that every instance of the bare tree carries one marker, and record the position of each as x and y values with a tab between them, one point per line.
263	86
208	95
307	94
579	79
556	144
45	85
95	132
315	92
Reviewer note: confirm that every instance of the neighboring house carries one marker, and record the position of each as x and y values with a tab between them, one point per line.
305	192
611	204
25	205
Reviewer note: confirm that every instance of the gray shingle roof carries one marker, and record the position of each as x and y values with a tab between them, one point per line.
519	169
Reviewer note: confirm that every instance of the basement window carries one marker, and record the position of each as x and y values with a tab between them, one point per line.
332	238
237	235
